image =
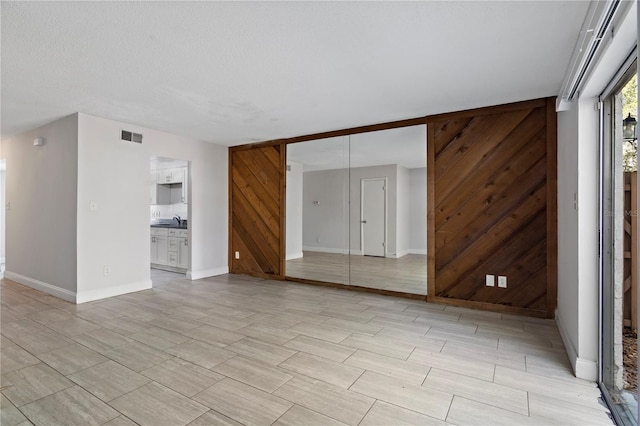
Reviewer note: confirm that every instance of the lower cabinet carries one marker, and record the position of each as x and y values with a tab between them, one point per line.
159	245
183	253
170	247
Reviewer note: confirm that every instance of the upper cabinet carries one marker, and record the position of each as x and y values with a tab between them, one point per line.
169	186
171	175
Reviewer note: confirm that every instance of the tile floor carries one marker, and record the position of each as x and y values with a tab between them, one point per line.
235	350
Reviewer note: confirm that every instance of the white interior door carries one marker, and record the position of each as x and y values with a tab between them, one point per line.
373	217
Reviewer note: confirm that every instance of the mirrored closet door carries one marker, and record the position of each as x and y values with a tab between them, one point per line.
356	210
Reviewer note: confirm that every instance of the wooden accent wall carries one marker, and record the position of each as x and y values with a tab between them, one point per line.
256	210
492	207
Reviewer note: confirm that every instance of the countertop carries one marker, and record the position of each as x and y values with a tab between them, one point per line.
169	223
171	226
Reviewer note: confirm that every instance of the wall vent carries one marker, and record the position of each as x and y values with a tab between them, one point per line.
131	136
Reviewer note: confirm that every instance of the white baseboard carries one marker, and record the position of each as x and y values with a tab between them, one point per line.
297	255
103	293
331	250
406	252
196	275
582	368
51	289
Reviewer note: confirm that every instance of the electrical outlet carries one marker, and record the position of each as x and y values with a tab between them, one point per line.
237	255
107	271
490	280
502	281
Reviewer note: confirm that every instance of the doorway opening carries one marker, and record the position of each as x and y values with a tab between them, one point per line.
169	199
373	217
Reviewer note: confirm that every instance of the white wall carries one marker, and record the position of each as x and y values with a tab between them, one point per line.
418	210
41	187
114	174
293	228
325	211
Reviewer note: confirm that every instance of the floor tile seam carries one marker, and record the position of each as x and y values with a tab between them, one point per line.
115	362
461	374
367	413
18	408
397	405
134	390
325	359
30	365
508	354
597	406
151	365
585	385
568	398
244	383
177	391
5	388
474	398
39	399
36	356
449	409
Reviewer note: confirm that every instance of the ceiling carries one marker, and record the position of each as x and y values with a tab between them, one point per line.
239	72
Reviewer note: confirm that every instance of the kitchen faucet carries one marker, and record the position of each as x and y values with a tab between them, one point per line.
177	218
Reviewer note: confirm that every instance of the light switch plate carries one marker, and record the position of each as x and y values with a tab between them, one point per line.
502	281
237	255
490	281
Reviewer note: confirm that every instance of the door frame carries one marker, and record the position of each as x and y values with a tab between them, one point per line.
386	212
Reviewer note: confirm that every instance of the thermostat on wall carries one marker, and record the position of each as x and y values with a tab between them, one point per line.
38	142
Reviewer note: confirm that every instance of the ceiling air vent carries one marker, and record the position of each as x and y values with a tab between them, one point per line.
131	137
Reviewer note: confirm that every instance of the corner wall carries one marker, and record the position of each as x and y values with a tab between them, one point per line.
41	188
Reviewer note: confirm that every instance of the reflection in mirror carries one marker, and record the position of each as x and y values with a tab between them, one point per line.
357	210
317	237
388	214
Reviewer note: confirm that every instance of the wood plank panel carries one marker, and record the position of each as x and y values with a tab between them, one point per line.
256	203
493	183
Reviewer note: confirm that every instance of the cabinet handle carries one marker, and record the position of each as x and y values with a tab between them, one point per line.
186	242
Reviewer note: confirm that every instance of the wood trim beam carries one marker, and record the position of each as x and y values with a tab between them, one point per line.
431	205
552	208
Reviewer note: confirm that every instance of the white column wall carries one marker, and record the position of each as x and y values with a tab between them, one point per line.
578	222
